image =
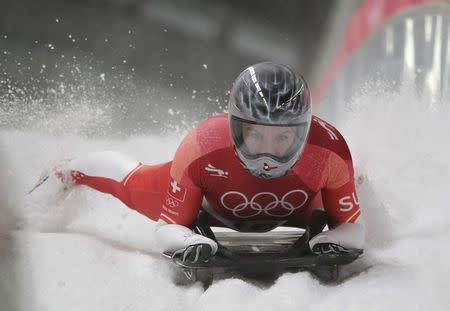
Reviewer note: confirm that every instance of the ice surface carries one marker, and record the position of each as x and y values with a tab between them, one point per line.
92	253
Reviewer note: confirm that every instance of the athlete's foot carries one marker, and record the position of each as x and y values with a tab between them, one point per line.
50	189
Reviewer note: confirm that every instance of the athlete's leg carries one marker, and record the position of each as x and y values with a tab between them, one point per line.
56	182
140	187
103	171
147	188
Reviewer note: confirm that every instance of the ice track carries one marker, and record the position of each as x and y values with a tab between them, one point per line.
92	253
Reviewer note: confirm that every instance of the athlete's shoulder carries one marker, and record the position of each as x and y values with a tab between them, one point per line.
324	135
327	155
208	136
213	133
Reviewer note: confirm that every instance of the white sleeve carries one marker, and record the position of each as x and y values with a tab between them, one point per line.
349	235
173	237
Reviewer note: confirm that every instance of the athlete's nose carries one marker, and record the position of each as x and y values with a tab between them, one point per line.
267	147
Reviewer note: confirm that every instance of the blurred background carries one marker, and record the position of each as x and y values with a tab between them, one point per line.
120	69
154	65
151	66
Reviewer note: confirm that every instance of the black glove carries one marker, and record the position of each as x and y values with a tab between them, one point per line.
328	248
194	253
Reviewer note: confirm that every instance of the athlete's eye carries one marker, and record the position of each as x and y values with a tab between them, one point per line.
283	138
254	135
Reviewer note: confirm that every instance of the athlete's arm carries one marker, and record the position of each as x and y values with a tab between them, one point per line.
179	212
182	201
342	207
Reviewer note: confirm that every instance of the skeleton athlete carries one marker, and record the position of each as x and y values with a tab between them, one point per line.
268	162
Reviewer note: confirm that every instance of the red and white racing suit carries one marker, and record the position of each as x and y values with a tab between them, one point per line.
206	174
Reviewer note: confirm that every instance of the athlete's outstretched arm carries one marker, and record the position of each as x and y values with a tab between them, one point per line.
342	207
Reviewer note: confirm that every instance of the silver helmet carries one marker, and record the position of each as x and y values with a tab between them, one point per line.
269	117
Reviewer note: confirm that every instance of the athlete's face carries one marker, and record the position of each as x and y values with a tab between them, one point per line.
274	140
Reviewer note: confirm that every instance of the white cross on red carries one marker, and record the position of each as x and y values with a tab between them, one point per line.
175	187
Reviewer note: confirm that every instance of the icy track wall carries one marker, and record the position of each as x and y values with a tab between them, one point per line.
411	48
391	100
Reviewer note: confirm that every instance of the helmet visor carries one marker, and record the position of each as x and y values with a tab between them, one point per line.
279	142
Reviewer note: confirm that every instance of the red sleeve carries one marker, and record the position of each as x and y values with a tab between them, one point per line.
183	196
338	194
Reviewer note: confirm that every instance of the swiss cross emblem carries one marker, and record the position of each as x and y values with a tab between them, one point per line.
175	187
176	191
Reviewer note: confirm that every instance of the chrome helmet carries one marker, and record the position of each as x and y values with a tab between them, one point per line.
269	117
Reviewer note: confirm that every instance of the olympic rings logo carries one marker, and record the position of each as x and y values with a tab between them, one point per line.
171	202
266	203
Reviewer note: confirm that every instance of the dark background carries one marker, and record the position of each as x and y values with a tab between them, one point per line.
151	65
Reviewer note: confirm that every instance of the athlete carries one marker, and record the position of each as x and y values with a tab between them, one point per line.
268	162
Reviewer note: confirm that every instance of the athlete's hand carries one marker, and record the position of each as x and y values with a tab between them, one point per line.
328	248
195	253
